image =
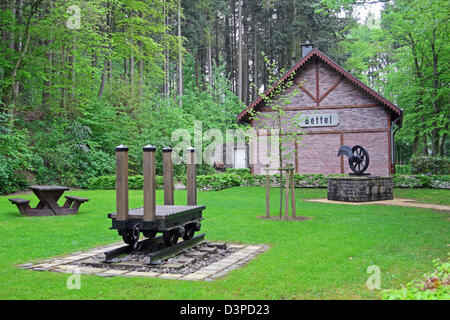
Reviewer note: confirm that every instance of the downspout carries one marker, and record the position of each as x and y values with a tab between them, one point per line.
398	123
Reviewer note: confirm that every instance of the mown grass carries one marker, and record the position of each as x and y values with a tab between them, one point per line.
322	258
425	196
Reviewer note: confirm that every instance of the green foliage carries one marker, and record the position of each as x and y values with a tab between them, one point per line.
73	150
404	56
15	158
237	177
421	181
218	181
433	286
403	169
109	183
238	171
65	154
430	165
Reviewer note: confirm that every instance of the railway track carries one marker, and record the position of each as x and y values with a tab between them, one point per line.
158	251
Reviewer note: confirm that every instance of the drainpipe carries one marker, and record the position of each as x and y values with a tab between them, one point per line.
396	122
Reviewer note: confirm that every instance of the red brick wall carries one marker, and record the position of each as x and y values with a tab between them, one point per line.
362	121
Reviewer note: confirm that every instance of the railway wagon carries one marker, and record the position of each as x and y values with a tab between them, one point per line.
173	221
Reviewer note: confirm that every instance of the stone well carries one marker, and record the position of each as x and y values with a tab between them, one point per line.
360	188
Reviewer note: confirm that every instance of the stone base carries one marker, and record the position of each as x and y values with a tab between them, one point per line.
360	188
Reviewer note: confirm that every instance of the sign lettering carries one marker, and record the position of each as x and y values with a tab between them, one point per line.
320	120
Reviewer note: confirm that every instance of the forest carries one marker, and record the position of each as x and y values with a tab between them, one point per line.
79	77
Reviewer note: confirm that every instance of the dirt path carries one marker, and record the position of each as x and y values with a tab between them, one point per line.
395	202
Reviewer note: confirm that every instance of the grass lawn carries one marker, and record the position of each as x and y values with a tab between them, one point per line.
322	258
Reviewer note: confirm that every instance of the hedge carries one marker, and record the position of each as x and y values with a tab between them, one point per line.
226	180
109	182
430	165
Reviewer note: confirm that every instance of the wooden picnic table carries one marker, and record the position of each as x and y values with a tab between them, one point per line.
48	202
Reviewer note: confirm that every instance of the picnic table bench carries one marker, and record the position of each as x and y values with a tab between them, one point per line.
48	202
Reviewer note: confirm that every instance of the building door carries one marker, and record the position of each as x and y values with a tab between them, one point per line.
240	158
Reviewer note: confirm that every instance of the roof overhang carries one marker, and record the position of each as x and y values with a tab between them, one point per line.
395	111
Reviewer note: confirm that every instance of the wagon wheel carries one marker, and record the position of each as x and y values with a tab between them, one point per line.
359	161
149	234
171	237
189	233
131	237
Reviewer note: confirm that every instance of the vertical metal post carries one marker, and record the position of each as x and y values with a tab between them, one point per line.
191	177
121	183
286	196
267	192
168	177
293	209
149	183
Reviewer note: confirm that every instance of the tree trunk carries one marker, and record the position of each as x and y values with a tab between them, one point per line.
103	79
73	74
197	67
227	45
240	70
436	109
47	83
131	69
12	8
141	70
125	69
180	57
245	60
209	57
443	142
255	59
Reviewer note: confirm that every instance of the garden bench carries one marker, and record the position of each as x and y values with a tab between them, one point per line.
74	203
22	204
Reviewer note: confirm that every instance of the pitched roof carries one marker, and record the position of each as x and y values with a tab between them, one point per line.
398	113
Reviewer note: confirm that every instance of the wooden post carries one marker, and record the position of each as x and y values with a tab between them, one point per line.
149	183
121	183
286	196
191	177
168	177
293	194
267	193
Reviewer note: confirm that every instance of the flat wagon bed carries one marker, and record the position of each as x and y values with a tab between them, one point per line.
162	212
174	221
167	218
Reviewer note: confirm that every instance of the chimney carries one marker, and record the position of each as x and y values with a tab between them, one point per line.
307	48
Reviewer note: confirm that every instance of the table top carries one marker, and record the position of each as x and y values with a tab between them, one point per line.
49	188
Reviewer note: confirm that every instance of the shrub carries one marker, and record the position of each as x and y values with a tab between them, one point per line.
412	181
403	169
15	158
109	182
217	182
238	171
434	286
430	165
220	181
421	181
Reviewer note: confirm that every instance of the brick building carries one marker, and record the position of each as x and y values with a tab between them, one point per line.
337	109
